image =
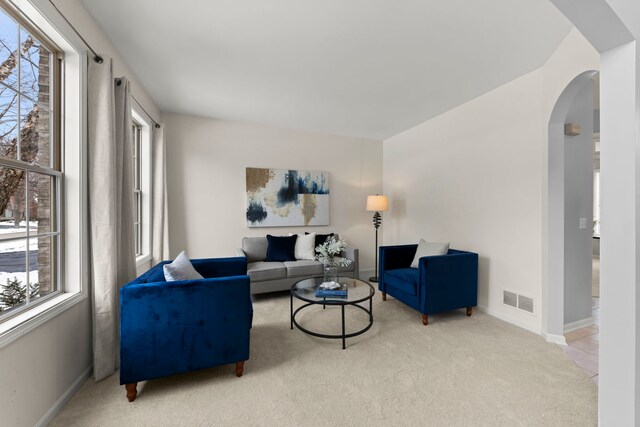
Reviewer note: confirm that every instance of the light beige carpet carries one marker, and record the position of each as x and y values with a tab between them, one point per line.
457	371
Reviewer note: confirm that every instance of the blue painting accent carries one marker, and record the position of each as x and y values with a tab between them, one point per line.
289	191
306	185
256	212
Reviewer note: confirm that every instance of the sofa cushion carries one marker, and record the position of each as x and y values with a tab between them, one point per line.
321	238
303	268
255	248
281	248
180	269
305	248
403	279
429	249
261	270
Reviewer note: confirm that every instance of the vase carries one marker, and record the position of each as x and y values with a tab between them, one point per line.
330	273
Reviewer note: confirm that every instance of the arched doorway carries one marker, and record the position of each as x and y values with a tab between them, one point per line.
557	232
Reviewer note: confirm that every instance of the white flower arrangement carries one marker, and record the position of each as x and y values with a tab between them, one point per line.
328	252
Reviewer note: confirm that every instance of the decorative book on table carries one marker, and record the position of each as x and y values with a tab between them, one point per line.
329	291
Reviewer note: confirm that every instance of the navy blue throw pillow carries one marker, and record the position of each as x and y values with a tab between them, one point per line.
281	248
321	238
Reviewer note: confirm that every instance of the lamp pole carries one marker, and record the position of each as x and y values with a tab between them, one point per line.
377	220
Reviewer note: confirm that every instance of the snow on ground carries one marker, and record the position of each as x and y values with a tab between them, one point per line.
22	277
20	245
8	248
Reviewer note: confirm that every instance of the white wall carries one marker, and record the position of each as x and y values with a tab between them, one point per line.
578	201
40	368
475	176
619	380
206	161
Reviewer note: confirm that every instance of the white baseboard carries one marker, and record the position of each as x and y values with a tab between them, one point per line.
555	339
568	327
57	406
366	273
512	320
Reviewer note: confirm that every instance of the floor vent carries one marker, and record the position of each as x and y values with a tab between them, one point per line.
510	298
525	303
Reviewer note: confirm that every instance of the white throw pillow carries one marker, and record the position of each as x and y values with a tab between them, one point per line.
180	269
429	249
305	246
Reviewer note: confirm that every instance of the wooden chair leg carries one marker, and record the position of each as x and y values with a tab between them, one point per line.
384	296
239	368
468	311
132	391
425	319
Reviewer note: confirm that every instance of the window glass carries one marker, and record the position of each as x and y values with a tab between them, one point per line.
29	210
136	136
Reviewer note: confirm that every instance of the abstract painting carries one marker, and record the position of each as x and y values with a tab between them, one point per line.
283	197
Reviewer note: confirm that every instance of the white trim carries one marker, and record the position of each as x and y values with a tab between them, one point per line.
142	259
66	396
568	327
22	324
513	320
555	339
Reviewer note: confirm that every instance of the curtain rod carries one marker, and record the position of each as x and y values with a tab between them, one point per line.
145	111
98	58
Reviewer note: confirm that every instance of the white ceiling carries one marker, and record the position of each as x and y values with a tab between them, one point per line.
368	68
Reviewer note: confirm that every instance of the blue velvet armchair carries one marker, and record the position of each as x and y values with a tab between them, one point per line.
440	283
168	328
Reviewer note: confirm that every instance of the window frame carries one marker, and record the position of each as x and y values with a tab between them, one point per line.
54	170
74	253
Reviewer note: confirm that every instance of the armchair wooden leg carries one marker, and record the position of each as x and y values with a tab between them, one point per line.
468	311
384	296
239	368
132	391
425	319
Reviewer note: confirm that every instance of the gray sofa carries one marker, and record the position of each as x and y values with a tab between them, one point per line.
280	276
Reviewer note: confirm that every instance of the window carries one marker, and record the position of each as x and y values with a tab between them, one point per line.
136	139
30	171
141	141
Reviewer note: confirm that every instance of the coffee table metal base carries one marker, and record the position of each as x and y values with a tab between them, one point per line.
342	336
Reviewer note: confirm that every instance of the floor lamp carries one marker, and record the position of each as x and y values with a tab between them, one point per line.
377	204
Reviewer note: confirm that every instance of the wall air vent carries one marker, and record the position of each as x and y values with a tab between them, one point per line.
510	298
525	303
515	300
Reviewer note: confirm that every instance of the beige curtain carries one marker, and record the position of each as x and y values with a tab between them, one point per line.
111	210
160	219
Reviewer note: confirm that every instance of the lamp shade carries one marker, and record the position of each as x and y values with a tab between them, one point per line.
377	203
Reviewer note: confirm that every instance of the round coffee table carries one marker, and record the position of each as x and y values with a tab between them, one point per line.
358	292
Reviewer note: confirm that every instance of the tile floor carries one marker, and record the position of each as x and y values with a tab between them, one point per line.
582	344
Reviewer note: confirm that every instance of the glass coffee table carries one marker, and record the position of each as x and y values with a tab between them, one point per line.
358	292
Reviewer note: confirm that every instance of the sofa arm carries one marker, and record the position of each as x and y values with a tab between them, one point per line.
448	282
354	255
220	267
